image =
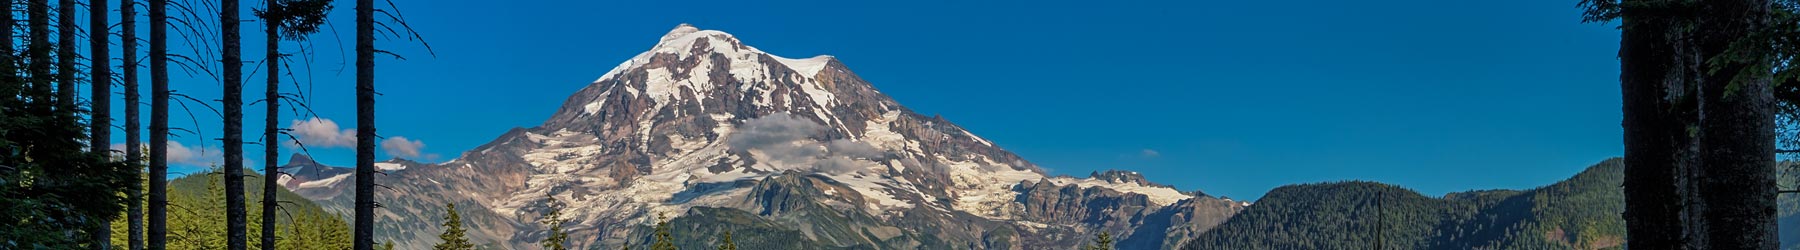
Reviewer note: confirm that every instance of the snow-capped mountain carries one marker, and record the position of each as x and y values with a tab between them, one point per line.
703	127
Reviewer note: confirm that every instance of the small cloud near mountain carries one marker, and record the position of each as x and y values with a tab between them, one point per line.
789	139
321	133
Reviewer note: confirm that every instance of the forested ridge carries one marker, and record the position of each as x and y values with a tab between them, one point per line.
195	222
1578	213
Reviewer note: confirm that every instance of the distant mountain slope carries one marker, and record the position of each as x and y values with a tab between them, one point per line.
1578	213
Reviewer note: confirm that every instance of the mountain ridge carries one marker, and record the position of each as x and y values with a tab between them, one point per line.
702	120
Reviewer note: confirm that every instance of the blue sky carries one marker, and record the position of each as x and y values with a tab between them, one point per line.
1230	97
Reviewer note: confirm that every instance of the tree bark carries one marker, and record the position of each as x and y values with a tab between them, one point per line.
271	100
233	61
133	156
157	236
365	125
65	55
1737	131
100	123
1655	136
39	46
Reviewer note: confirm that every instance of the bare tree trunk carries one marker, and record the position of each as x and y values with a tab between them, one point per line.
100	78
157	236
39	46
65	55
365	125
1737	131
9	51
233	66
271	100
1655	136
133	156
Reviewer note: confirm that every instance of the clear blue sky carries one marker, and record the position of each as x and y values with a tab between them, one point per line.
1234	97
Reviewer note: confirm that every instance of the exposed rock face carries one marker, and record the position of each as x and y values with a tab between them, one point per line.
704	121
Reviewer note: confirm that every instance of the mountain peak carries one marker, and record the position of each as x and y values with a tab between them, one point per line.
684	41
300	159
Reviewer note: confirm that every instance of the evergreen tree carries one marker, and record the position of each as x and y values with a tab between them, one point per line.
727	244
296	19
554	221
453	238
1102	242
664	241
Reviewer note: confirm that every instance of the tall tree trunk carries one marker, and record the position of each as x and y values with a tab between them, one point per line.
39	46
233	66
271	100
133	156
1655	134
365	125
157	235
9	52
100	123
65	55
1737	130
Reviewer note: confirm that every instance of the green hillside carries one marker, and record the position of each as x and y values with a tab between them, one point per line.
196	216
1578	213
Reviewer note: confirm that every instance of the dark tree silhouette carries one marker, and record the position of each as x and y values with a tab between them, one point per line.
1699	120
39	46
365	125
236	229
133	153
1737	127
100	78
272	102
65	54
296	18
1656	118
157	235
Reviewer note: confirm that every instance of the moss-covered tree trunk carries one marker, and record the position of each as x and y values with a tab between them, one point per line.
1656	138
1737	130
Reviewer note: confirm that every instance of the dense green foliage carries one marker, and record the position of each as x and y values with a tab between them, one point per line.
195	221
1579	213
453	237
53	192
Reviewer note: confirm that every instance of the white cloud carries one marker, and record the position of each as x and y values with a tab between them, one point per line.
1149	153
196	156
182	154
321	133
399	146
792	141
